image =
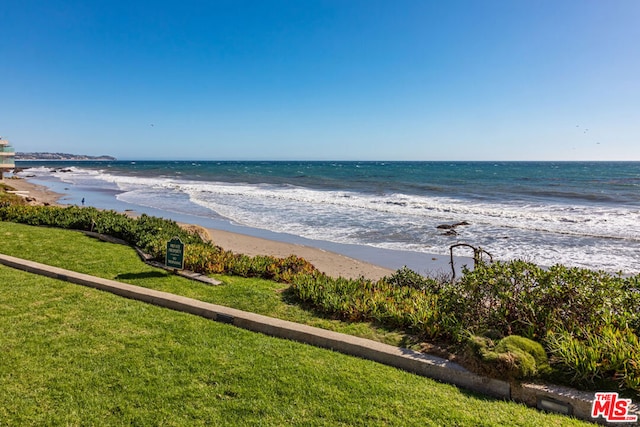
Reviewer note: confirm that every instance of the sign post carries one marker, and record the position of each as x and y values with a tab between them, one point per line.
175	254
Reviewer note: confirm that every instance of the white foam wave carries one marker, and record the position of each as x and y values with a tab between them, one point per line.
580	235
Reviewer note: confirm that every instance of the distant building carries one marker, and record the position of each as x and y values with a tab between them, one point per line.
7	155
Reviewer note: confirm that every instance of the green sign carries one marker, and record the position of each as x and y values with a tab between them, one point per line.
175	254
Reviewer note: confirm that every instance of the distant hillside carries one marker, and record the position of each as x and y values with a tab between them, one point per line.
59	156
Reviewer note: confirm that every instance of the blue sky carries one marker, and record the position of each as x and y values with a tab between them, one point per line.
339	79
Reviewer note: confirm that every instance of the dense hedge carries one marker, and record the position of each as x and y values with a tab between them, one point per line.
144	232
588	322
151	234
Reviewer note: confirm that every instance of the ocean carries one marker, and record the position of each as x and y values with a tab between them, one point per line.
583	214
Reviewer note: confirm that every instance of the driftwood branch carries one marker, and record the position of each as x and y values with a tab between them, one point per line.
478	253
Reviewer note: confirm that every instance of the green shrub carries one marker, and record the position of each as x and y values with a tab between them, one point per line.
407	277
520	298
383	302
527	349
151	234
513	357
597	356
516	300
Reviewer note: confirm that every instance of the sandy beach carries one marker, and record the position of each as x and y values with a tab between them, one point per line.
330	263
34	194
333	264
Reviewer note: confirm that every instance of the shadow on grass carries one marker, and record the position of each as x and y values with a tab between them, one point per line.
407	340
143	275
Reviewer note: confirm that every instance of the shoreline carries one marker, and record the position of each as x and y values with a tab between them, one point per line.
377	212
334	259
331	263
40	195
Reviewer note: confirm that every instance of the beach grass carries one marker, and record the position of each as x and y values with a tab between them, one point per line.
73	355
9	198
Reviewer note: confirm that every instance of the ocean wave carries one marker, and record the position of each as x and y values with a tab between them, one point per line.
604	236
240	202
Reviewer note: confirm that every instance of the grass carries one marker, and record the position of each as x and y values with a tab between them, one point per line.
6	197
75	251
78	356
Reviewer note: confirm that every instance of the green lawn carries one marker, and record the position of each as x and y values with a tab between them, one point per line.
72	355
75	251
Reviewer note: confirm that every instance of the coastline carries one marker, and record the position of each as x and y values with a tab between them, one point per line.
39	195
331	263
380	213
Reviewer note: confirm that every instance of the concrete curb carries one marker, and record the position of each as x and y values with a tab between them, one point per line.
575	402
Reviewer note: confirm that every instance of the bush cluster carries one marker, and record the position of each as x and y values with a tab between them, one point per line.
600	356
503	313
145	232
587	321
512	357
382	301
209	259
151	235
